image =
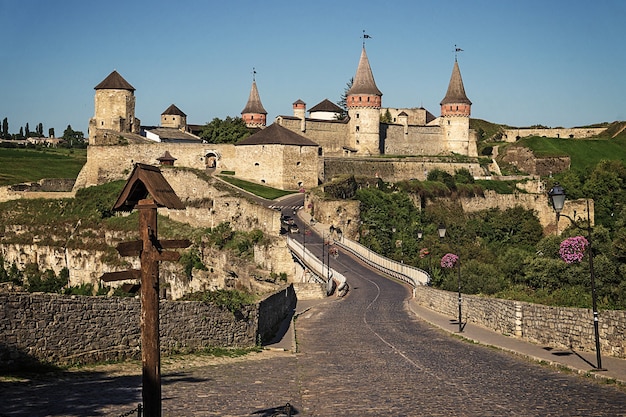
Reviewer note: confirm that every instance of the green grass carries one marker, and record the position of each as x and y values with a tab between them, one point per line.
584	153
263	191
30	165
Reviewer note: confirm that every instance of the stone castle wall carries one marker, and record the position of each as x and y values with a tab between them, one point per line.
524	159
393	169
330	135
79	330
511	135
566	328
412	140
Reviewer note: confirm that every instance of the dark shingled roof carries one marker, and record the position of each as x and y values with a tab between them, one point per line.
144	181
326	105
114	82
276	134
254	102
173	111
456	91
166	157
364	79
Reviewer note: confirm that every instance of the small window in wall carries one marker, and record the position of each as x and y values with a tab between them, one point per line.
457	107
368	99
319	151
298	163
256	164
448	122
357	115
357	128
263	181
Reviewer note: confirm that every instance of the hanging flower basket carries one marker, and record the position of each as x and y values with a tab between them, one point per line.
572	249
449	260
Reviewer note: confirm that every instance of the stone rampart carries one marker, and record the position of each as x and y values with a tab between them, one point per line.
523	159
412	140
394	169
511	135
77	330
558	327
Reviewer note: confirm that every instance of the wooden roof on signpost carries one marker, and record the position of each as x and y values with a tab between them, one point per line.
144	181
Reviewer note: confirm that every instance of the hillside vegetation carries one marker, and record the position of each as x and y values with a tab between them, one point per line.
31	165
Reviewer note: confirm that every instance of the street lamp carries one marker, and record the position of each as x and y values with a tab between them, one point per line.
441	230
557	199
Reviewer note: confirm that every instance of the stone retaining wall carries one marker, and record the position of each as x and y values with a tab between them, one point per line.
557	327
77	329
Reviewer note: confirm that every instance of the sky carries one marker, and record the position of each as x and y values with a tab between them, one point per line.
558	63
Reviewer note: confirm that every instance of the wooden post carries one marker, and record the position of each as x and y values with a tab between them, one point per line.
150	344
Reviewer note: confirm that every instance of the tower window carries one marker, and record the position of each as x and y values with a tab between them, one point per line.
357	115
357	128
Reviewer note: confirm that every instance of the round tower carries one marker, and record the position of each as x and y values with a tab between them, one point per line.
455	113
254	115
299	111
364	101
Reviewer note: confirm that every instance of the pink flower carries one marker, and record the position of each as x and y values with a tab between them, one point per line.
449	260
572	249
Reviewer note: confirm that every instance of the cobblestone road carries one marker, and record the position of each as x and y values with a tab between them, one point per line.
364	355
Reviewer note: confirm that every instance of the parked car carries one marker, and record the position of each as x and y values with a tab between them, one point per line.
294	228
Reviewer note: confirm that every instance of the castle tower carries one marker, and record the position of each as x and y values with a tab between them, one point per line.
299	111
455	113
174	117
254	115
364	100
114	106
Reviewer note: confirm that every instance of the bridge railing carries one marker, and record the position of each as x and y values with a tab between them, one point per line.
320	270
409	274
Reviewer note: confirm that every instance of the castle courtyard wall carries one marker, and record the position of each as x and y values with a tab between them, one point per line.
412	140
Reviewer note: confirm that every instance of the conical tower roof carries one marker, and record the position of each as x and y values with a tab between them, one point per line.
114	81
456	91
173	111
254	102
363	82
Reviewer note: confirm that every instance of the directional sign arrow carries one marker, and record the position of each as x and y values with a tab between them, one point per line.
121	275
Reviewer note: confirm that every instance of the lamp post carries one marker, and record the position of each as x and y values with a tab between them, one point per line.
441	230
557	199
420	234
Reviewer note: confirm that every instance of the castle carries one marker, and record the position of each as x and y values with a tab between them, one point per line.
293	152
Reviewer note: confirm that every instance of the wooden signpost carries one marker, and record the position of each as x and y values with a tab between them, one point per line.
145	181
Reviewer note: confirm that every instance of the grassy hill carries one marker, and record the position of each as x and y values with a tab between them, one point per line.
584	153
30	165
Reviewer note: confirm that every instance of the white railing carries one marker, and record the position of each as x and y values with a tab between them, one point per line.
321	271
409	274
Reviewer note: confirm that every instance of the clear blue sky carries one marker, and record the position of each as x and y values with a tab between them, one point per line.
556	63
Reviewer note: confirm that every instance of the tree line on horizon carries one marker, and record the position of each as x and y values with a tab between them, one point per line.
73	138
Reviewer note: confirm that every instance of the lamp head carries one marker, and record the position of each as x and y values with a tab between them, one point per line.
441	230
557	197
420	234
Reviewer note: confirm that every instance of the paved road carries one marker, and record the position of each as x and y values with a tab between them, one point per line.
364	355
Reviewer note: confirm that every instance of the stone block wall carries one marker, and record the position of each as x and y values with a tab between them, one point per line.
511	135
558	327
77	330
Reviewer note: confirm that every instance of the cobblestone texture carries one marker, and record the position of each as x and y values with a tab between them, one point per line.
363	355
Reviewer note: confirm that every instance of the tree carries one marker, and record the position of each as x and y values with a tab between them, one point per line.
386	117
343	100
21	134
5	129
40	129
72	136
229	130
27	132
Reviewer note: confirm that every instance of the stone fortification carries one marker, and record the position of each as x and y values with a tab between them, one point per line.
566	328
323	132
523	159
79	330
111	163
394	169
412	140
512	135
